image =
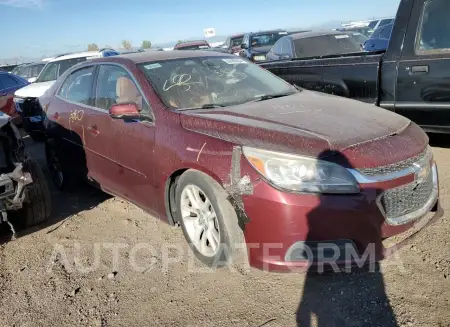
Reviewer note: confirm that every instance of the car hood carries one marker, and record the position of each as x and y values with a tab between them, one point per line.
34	90
261	50
307	123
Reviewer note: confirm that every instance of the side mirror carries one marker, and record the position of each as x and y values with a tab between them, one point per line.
124	111
32	79
243	46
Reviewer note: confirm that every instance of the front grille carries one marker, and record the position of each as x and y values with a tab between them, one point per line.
395	167
407	199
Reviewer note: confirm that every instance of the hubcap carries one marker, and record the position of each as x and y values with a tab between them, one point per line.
200	220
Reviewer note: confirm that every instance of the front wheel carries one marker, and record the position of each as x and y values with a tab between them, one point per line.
208	219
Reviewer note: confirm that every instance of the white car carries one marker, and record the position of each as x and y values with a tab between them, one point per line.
25	99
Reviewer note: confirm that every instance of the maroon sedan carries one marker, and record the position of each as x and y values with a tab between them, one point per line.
235	155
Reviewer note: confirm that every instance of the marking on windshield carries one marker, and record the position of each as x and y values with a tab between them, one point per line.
180	80
152	66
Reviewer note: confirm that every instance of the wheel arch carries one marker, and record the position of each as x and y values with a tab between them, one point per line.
170	190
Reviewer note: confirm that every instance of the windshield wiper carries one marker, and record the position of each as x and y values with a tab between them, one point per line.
205	106
272	96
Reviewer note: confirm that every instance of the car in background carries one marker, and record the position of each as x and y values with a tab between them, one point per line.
9	84
233	43
313	44
25	98
255	46
7	68
375	24
29	71
192	45
236	155
380	38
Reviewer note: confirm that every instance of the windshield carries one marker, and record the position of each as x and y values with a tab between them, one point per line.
326	45
211	81
236	42
265	39
53	70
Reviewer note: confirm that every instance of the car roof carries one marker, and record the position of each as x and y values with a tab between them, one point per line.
76	55
193	42
265	32
305	35
141	57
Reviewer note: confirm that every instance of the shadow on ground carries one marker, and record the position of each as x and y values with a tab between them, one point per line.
64	205
439	140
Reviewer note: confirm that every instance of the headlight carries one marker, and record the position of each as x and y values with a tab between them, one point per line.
259	58
301	174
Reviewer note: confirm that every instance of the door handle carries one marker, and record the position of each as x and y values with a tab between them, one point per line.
93	130
419	70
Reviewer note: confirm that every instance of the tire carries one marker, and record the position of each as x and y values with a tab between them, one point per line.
37	205
63	178
231	247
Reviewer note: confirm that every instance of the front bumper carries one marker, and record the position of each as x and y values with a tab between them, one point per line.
296	232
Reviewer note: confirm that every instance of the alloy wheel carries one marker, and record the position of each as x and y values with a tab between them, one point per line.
200	220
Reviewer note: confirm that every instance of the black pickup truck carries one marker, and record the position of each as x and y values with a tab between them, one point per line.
412	77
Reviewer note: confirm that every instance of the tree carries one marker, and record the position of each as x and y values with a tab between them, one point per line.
146	44
92	47
126	44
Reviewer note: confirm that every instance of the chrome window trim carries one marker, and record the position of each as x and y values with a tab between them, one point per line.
418	213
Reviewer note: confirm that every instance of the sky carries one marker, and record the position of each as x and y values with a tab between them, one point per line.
37	28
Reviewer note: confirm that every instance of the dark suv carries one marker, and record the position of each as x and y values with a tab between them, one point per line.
255	46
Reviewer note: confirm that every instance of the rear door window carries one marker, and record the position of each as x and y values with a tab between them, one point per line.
78	86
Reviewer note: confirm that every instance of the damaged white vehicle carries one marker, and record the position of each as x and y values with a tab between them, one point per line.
24	195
